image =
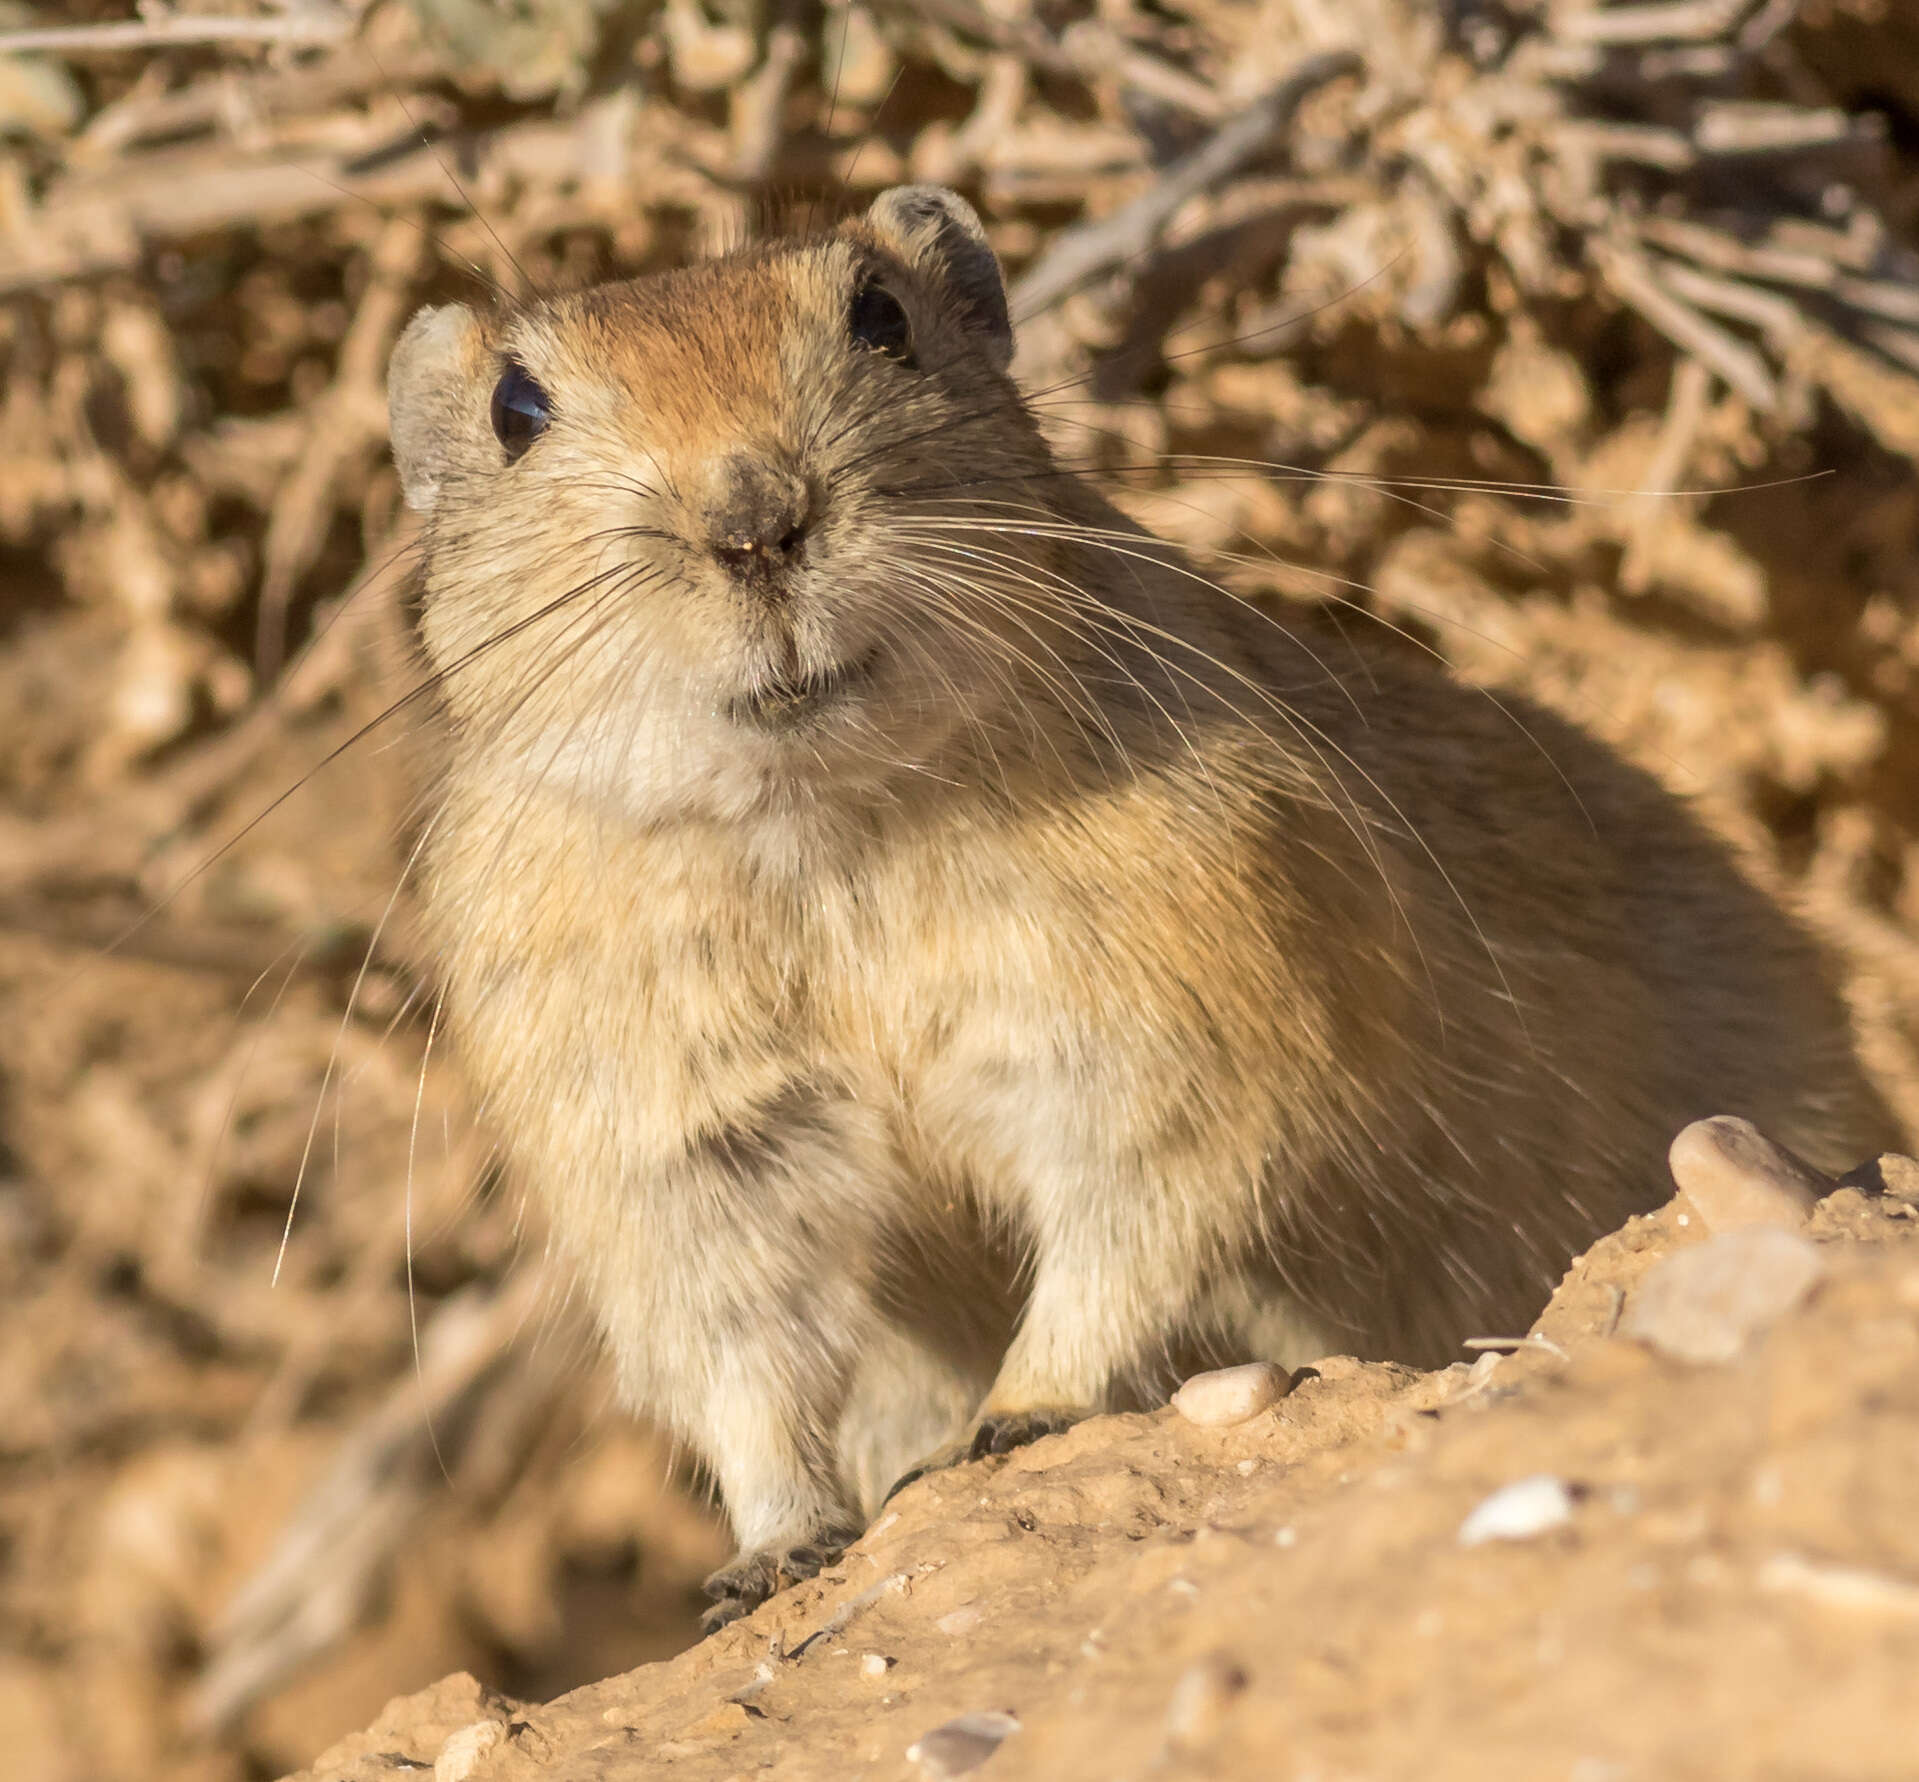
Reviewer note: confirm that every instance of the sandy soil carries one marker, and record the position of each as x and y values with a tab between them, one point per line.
1732	1589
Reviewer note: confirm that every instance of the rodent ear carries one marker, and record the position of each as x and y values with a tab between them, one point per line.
426	397
937	231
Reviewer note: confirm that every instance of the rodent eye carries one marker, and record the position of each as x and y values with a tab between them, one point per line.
877	321
521	409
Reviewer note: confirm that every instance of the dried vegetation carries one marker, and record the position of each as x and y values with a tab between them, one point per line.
1579	341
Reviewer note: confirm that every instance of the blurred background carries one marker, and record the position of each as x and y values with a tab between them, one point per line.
1578	343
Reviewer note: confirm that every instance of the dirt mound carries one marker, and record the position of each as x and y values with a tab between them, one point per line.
1577	1559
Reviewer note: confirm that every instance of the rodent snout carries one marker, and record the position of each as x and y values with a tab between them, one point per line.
758	515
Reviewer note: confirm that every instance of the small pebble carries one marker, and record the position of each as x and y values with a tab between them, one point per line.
460	1756
1851	1589
1518	1511
1890	1177
960	1745
874	1664
1704	1305
1899	1176
1201	1699
1231	1395
762	1675
1735	1176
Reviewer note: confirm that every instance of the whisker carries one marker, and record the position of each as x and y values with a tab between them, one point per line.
333	1059
1313	735
1051	527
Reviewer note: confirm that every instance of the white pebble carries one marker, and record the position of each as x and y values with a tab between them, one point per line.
460	1756
874	1664
1845	1587
960	1745
1705	1304
1231	1394
1735	1176
1518	1511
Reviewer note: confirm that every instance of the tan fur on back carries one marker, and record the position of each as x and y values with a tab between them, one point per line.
984	970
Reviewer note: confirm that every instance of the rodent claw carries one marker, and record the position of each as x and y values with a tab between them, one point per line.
738	1589
912	1476
991	1435
1002	1434
724	1614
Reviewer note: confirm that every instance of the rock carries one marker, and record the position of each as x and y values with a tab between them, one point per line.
1900	1175
413	1731
1519	1511
1231	1395
962	1744
1891	1175
1705	1304
1736	1177
460	1756
755	1686
874	1664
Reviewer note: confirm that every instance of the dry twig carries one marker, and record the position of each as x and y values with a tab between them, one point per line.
1632	276
315	1584
305	24
1083	253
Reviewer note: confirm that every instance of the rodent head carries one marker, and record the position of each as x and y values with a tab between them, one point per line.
699	541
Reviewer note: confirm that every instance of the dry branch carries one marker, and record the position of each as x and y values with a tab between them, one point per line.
305	24
330	1556
1666	21
1084	253
1632	276
96	222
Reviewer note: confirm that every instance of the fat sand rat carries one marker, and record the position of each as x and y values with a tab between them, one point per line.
948	968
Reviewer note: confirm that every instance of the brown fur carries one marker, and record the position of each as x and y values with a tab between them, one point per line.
1094	981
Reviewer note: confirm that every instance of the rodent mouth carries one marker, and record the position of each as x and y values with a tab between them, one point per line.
785	704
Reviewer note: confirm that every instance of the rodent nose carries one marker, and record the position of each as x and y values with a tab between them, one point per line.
757	521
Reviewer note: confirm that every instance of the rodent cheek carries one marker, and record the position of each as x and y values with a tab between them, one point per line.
644	468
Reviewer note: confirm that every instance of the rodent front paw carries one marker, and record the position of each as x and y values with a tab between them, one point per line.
1001	1433
998	1433
738	1589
